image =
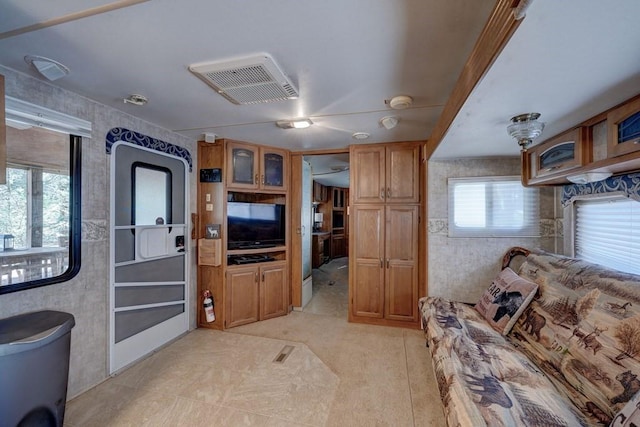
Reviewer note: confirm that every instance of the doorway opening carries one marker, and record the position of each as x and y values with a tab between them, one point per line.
327	292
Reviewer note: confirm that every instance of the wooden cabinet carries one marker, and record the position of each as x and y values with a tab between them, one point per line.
247	284
606	144
385	277
320	248
386	173
338	246
320	193
273	290
384	233
256	292
242	296
339	199
252	167
623	125
557	155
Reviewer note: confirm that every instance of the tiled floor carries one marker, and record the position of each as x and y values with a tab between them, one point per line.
330	289
338	374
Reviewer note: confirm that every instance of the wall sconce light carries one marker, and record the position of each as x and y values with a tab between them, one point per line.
525	128
294	124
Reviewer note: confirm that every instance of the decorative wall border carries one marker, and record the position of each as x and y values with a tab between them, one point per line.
122	134
628	184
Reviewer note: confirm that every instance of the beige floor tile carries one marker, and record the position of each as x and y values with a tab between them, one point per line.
338	374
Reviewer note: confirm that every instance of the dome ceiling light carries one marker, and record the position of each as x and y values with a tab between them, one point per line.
525	128
48	68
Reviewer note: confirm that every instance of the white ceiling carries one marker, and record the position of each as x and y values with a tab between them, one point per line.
330	169
568	60
345	56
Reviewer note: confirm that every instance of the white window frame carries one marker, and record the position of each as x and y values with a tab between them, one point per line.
570	216
530	228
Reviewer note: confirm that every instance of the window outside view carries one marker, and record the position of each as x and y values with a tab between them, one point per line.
35	209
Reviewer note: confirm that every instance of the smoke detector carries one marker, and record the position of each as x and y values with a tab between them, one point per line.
136	99
400	102
250	80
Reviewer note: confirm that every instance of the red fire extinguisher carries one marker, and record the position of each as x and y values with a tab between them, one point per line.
208	306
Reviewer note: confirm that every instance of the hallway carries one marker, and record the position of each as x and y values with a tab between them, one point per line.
330	289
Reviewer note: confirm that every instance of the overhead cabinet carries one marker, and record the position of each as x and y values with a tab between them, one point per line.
559	154
253	167
607	143
624	129
386	173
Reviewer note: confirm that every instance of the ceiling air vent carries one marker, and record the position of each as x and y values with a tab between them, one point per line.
249	80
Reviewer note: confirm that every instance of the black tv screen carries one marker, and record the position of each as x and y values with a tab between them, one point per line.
255	225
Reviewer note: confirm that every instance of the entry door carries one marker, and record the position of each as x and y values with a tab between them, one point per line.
149	259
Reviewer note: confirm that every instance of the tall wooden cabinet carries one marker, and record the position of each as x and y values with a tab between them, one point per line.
257	289
385	226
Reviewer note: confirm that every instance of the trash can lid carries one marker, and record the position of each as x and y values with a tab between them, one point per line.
30	330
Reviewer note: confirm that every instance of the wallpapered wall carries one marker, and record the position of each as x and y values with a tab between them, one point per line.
462	268
86	296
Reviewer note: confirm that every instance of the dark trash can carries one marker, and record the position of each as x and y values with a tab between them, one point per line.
34	368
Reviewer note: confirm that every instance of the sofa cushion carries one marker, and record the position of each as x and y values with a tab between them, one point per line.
583	329
482	379
505	300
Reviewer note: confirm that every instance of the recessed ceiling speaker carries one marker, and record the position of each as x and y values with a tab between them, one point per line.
251	80
400	102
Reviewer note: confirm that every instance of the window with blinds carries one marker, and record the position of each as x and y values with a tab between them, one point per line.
607	232
492	207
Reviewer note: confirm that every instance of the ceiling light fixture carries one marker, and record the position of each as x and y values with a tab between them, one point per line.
294	124
389	122
400	102
360	135
52	70
525	128
136	99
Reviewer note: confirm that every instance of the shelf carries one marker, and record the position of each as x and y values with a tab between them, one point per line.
256	251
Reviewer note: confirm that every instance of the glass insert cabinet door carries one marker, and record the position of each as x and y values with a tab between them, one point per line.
557	156
243	166
273	170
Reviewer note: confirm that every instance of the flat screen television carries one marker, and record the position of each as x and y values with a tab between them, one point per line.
255	225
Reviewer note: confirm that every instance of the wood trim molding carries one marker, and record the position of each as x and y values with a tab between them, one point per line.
494	37
3	136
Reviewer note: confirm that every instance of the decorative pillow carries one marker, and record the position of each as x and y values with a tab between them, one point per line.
505	300
629	415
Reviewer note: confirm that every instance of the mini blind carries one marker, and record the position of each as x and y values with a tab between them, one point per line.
492	207
607	232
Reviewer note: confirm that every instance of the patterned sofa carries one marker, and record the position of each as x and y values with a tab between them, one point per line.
571	359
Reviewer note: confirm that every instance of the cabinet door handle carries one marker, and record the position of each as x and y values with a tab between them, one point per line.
255	179
387	262
257	277
263	276
262	179
388	192
382	193
381	263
